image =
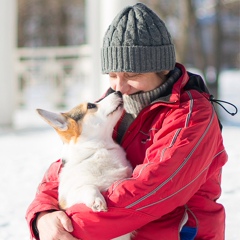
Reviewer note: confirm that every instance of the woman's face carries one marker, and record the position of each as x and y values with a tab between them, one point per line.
130	83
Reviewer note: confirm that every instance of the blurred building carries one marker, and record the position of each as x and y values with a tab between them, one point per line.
59	43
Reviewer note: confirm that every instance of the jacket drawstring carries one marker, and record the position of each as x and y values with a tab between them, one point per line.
211	98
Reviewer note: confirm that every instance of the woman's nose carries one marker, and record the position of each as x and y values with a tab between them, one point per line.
122	85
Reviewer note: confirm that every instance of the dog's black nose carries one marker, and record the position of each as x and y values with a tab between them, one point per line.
119	93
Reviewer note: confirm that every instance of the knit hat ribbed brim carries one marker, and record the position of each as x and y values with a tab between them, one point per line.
137	41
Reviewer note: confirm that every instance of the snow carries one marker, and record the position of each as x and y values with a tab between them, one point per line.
25	155
230	182
29	148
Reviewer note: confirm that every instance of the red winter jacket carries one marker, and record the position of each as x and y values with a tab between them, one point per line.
175	146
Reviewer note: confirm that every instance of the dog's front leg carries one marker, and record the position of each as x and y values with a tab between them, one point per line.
90	196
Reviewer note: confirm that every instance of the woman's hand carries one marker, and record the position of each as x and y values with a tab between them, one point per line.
54	226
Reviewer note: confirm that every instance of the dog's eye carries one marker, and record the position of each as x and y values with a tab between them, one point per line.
91	105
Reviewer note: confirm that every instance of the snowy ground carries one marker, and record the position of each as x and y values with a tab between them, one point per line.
27	151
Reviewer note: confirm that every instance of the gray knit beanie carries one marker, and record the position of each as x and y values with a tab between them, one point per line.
137	41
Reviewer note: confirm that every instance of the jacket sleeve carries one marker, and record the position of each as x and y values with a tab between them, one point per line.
47	195
185	150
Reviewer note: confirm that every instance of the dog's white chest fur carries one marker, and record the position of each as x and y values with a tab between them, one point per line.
93	168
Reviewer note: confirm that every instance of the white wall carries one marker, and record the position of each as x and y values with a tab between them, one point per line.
7	61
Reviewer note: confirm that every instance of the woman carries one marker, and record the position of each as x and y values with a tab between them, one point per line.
172	138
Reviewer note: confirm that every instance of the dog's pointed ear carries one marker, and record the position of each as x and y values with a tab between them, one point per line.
56	120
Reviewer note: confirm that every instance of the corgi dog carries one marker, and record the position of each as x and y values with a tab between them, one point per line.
92	161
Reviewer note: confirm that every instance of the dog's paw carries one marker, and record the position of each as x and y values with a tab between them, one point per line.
99	205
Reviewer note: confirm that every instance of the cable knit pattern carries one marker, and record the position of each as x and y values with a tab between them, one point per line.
137	41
